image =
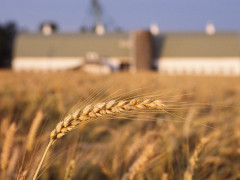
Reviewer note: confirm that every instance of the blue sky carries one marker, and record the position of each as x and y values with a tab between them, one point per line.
170	15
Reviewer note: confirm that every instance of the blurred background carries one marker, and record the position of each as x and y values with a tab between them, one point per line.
97	36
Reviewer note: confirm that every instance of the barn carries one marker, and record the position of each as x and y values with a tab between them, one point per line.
170	53
59	52
197	53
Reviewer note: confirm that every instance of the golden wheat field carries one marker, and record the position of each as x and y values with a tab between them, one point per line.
144	126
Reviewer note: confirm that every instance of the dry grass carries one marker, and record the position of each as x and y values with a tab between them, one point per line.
116	145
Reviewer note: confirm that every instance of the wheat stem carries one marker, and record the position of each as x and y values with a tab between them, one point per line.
43	157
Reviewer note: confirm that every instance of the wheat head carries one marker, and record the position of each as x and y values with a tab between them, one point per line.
7	146
140	163
193	161
188	174
72	120
34	129
101	109
70	170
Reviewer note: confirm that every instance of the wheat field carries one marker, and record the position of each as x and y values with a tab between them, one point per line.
193	134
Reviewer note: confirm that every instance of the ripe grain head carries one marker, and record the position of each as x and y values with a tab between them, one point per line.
7	146
92	111
33	130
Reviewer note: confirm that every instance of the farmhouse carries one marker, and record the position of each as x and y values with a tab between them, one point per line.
39	52
197	53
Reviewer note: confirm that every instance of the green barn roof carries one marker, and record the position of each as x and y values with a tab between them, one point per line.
197	45
71	45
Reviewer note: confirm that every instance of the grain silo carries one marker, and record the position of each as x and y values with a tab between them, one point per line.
142	51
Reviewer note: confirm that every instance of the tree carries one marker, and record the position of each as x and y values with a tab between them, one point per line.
7	36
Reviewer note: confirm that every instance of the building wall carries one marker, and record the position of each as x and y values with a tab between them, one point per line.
46	63
62	63
200	66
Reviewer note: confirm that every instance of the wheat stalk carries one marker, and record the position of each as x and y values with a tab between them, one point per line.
164	176
33	130
3	128
194	159
139	144
90	112
7	145
13	162
70	170
188	174
139	164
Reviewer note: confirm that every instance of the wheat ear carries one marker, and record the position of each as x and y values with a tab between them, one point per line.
7	146
146	155
72	120
33	130
70	170
108	108
194	159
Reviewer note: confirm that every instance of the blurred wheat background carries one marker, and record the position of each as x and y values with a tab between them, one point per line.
197	138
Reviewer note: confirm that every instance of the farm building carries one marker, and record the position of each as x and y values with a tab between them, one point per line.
141	51
56	52
197	53
175	53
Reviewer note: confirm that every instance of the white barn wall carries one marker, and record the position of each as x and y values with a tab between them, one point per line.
46	63
200	66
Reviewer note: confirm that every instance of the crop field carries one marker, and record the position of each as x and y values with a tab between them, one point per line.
142	126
